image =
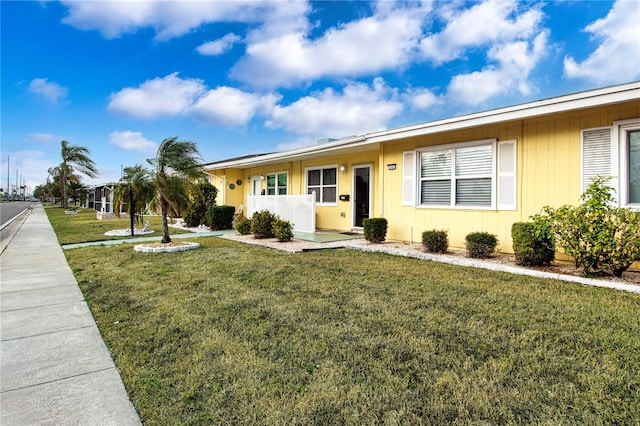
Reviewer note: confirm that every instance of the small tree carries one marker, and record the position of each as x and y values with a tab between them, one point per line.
176	165
142	189
75	159
599	236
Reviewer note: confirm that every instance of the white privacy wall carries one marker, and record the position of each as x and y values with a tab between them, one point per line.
300	210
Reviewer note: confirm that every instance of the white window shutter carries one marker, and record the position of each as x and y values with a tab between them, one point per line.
408	178
596	154
507	177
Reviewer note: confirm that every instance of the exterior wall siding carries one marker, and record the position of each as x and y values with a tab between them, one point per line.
548	173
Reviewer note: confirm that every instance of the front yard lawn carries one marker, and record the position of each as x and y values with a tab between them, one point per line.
83	226
239	334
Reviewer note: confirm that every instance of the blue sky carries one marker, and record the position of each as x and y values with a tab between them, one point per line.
241	77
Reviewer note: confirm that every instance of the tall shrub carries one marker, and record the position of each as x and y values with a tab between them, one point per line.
220	217
601	237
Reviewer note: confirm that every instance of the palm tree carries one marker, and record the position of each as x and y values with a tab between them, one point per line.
175	168
142	188
75	159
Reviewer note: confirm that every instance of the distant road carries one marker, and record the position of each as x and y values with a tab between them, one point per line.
11	209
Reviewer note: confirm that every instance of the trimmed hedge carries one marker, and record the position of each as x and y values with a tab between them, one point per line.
435	241
481	244
532	247
375	229
220	217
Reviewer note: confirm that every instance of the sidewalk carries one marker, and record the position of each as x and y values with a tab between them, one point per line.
54	367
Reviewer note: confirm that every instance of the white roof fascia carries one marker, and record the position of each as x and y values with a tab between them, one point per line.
593	98
288	155
575	101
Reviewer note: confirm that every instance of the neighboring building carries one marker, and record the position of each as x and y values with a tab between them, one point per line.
100	199
477	172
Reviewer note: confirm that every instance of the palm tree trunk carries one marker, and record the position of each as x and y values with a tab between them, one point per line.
63	181
165	224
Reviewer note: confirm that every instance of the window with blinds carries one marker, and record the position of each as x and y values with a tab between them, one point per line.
596	154
460	176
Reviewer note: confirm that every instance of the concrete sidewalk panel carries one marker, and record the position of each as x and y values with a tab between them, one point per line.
34	262
40	297
89	399
55	356
44	320
14	281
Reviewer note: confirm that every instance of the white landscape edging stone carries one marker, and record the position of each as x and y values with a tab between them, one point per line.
184	245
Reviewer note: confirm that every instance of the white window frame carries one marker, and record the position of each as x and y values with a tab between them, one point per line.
620	152
276	188
322	185
453	148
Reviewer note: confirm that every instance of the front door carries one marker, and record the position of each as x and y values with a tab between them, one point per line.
256	184
361	194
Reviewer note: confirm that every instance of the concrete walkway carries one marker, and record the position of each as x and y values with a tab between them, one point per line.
54	366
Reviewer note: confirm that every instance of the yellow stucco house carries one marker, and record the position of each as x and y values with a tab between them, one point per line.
477	172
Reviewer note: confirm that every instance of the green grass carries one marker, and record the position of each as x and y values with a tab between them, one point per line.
238	334
83	226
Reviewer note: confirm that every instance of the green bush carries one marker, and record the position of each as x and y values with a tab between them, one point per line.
244	226
481	244
262	224
220	217
435	241
203	196
600	237
282	230
194	216
533	243
375	229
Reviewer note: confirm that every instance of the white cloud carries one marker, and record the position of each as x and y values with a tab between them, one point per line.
422	98
513	63
486	23
358	109
49	90
159	97
218	47
617	58
226	105
383	41
43	138
132	141
169	18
